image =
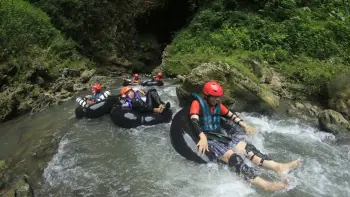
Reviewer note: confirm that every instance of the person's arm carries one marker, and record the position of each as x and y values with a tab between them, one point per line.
236	119
141	92
124	104
203	142
194	117
90	99
103	96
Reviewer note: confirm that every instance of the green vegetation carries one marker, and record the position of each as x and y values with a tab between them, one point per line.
306	41
32	54
100	28
29	41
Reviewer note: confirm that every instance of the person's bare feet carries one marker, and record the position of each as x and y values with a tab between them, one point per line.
276	186
285	168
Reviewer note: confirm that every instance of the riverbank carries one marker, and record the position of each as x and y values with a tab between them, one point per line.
265	52
274	58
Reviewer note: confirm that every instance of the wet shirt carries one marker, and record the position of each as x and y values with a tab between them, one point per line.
157	79
195	108
96	97
137	103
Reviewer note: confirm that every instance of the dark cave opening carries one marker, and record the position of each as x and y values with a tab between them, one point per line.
164	22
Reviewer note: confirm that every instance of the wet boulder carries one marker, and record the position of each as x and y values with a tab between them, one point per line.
63	84
339	94
244	89
38	74
119	61
86	75
43	100
8	107
69	86
4	176
69	72
341	103
21	188
332	121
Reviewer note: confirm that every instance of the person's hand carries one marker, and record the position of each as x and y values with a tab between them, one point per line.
88	96
142	92
158	110
250	130
202	145
90	102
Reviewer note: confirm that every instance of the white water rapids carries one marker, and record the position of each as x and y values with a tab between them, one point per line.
95	158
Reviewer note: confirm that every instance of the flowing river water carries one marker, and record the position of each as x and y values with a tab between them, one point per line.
95	158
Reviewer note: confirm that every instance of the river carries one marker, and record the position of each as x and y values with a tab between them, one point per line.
95	158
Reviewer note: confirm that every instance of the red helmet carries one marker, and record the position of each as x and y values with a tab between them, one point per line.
159	74
136	75
212	88
125	89
97	87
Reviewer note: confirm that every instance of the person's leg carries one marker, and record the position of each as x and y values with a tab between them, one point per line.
269	186
236	161
263	160
150	99
153	99
233	160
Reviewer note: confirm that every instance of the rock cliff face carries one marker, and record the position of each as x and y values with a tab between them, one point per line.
237	87
123	33
277	56
40	90
76	40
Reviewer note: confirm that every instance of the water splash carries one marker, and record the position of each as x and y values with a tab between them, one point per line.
96	158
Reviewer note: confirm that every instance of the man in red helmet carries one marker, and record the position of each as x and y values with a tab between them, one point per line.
158	77
97	93
205	114
136	80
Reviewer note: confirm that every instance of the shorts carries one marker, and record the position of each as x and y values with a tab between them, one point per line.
219	149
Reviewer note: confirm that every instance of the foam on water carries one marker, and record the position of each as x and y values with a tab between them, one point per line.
96	158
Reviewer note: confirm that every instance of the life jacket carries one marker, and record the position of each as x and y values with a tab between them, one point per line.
158	79
135	80
210	122
129	100
96	97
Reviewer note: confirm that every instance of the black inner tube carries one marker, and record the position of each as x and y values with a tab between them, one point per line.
127	118
97	109
184	140
153	83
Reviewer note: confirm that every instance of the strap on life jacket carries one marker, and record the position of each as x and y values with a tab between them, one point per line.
209	121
